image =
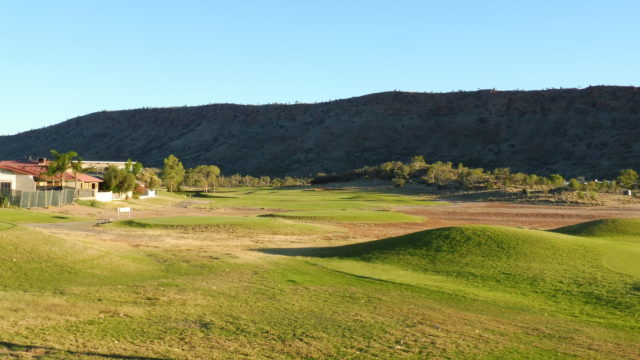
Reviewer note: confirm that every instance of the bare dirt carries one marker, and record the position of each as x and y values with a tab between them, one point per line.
242	246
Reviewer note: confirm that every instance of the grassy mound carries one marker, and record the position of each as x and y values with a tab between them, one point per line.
19	216
227	223
604	228
31	260
350	216
520	261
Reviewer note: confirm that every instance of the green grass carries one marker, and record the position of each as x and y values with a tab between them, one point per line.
313	199
469	292
361	216
605	228
19	216
31	260
592	278
229	223
6	226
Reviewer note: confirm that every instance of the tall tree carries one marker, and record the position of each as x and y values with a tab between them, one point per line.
118	180
172	173
150	178
59	165
77	167
206	176
627	178
134	167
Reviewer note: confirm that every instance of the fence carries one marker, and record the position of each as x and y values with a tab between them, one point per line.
42	198
85	193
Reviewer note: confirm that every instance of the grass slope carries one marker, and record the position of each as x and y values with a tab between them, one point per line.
349	216
553	270
472	292
32	260
254	224
605	228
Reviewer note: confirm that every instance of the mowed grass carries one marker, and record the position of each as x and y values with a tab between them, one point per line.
21	216
264	225
569	275
611	228
470	292
32	260
349	216
313	199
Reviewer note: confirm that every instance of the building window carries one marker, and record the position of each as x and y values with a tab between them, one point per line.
5	188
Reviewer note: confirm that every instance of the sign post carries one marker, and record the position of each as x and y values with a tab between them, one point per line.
124	210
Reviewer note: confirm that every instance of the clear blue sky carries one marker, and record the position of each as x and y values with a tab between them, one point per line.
61	59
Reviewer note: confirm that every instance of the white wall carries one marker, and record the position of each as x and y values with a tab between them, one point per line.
18	181
104	196
149	194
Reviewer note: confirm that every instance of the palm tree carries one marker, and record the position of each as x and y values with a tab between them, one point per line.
60	164
77	167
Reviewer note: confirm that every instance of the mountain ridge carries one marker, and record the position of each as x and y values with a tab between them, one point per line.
574	132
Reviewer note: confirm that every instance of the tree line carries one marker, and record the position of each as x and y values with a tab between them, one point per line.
209	178
447	176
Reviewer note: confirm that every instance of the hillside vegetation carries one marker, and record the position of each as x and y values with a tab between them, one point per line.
589	132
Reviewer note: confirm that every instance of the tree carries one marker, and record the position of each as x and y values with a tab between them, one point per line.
206	176
118	180
627	178
172	173
150	178
134	167
575	185
77	167
60	164
556	180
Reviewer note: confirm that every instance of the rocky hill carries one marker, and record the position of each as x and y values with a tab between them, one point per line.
592	131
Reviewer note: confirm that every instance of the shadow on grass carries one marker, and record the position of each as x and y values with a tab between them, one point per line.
17	348
327	251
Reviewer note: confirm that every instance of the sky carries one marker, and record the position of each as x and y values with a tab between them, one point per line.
62	59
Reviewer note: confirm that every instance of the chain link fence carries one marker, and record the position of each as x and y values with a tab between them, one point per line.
41	198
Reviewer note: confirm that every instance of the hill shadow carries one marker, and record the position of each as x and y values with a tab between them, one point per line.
299	251
20	348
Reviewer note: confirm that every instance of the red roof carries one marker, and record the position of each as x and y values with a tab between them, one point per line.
38	170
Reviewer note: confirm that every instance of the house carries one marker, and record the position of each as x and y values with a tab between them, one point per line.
31	176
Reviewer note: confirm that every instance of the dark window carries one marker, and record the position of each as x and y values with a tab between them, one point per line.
5	187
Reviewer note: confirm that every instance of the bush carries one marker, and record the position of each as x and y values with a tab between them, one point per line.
399	182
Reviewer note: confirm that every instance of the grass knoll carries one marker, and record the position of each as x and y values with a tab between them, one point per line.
605	228
575	276
264	225
349	216
31	260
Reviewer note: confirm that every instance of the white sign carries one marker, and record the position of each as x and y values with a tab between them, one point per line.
124	210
